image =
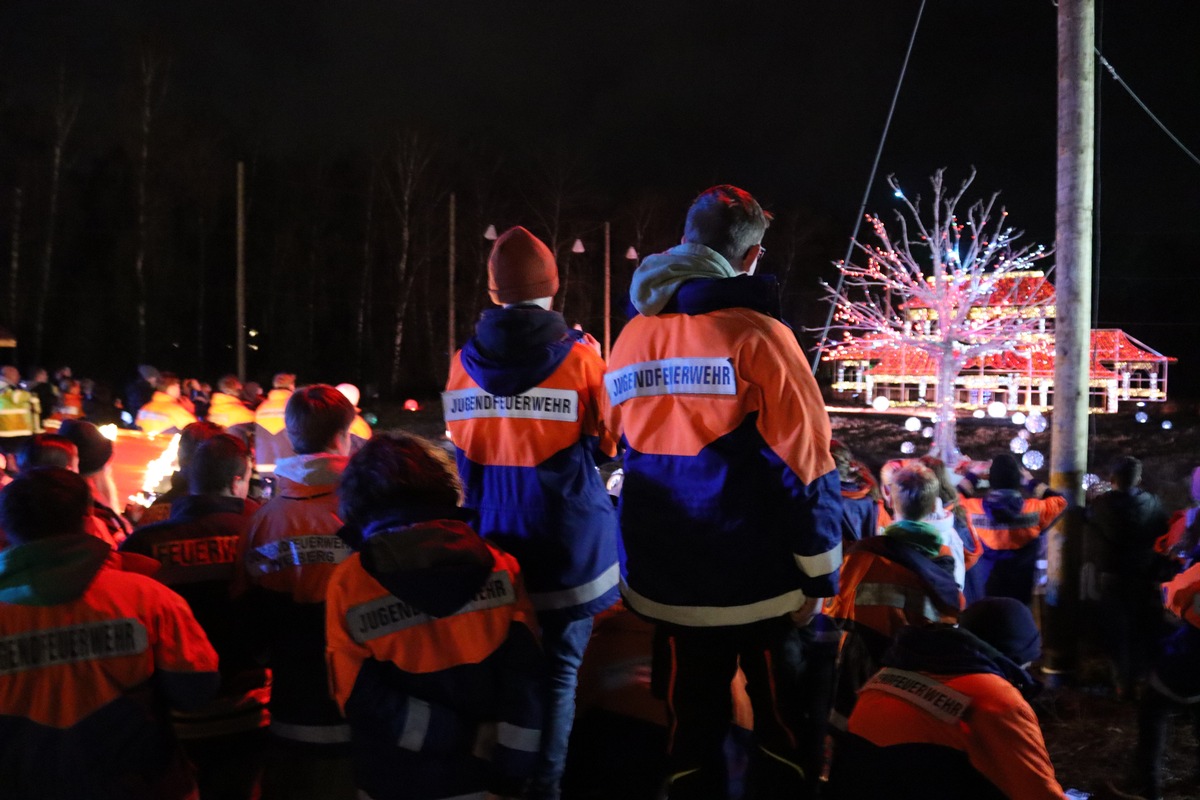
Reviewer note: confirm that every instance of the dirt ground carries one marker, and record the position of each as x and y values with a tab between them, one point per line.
1090	734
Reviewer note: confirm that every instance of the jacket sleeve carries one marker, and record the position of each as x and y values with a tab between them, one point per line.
795	427
185	664
602	441
1007	747
519	727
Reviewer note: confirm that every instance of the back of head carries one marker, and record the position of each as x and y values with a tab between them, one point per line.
169	382
11	375
914	491
394	472
229	384
216	462
521	268
94	450
284	380
148	373
1005	472
314	416
44	502
726	219
194	435
1126	473
48	450
1007	625
946	489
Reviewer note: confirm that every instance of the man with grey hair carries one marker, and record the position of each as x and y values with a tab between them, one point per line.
904	577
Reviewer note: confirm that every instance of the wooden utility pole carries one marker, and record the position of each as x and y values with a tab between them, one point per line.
450	290
1072	327
607	288
241	271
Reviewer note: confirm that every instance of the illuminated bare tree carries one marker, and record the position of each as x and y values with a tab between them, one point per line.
958	273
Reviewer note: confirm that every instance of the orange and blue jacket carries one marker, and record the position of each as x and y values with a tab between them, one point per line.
1005	519
163	414
271	442
434	660
860	508
196	549
945	719
228	411
287	557
731	507
91	657
523	407
903	577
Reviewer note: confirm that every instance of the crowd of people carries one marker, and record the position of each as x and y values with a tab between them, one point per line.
313	611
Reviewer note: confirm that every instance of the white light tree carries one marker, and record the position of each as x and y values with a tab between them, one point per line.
960	273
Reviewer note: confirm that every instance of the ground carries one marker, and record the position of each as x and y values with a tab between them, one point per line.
1090	734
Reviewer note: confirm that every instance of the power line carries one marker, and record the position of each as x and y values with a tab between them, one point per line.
862	209
1121	82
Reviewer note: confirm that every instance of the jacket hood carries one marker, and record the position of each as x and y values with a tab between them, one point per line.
51	571
947	650
1003	505
858	486
314	469
435	566
657	278
515	349
937	573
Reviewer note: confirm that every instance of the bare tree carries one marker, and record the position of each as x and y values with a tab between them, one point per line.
66	109
364	287
964	275
153	86
14	259
411	159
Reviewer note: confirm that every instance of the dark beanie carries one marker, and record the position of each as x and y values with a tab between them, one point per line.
1005	472
94	449
1006	624
521	268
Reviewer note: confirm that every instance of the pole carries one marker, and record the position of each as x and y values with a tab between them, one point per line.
1072	329
241	271
607	289
450	288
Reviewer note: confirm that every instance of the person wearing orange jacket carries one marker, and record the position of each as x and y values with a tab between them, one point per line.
164	413
91	657
522	404
903	577
431	638
948	716
271	441
1011	525
730	510
286	558
227	409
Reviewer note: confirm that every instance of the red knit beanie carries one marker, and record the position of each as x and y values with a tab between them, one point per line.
521	268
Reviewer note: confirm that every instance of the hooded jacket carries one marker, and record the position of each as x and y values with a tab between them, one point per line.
730	509
904	577
945	719
228	411
90	659
1005	519
860	508
286	557
197	553
434	661
523	408
1124	526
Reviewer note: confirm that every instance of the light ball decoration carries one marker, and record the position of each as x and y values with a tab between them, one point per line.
411	405
1018	445
1141	417
908	448
881	403
996	409
1033	459
927	432
1090	480
979	413
912	424
1018	418
1035	422
1167	424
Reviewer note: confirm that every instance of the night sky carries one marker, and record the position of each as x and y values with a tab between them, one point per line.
785	98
